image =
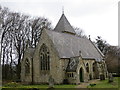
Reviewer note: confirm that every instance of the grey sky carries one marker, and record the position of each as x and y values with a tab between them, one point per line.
95	17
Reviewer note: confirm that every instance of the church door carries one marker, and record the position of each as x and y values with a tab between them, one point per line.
81	75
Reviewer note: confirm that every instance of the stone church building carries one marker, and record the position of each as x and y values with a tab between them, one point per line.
63	55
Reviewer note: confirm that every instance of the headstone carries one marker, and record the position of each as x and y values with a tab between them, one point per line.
110	78
51	82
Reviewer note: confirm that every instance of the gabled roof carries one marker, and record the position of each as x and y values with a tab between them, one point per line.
68	46
72	65
64	26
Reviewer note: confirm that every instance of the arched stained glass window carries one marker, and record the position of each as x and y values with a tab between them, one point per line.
27	67
44	58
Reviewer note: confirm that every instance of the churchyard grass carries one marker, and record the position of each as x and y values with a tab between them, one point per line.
40	86
105	84
99	84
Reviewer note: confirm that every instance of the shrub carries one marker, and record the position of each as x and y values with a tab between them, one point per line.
92	85
12	84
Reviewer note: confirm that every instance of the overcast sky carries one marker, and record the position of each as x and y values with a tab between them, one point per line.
95	17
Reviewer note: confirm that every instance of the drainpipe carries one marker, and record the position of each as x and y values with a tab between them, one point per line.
32	73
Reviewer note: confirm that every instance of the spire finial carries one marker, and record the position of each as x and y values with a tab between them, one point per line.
62	9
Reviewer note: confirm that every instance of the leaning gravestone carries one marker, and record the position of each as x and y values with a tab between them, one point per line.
110	78
51	82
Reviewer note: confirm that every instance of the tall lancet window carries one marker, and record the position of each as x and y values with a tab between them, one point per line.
44	58
27	67
87	67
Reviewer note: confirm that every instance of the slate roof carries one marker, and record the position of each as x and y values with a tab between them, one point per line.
68	46
64	26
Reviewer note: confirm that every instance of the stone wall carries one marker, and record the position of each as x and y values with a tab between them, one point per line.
90	64
86	76
55	62
71	76
26	78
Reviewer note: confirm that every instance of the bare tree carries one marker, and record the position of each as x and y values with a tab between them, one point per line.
112	59
3	32
37	25
20	38
18	32
12	28
79	32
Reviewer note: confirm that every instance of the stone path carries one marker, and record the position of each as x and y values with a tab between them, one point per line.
84	85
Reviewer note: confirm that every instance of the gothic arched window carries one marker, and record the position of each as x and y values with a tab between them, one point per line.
44	58
87	67
27	67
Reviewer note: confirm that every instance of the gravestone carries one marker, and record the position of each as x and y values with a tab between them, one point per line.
51	82
110	78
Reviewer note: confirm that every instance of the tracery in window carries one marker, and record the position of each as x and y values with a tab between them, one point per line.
44	58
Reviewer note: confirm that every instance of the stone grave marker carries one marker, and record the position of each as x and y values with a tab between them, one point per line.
51	82
110	78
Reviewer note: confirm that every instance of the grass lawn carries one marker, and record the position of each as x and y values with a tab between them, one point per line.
105	84
99	84
38	86
47	86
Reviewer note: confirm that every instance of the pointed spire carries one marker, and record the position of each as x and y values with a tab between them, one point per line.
64	26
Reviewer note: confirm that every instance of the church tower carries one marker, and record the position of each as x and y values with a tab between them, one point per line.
64	26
